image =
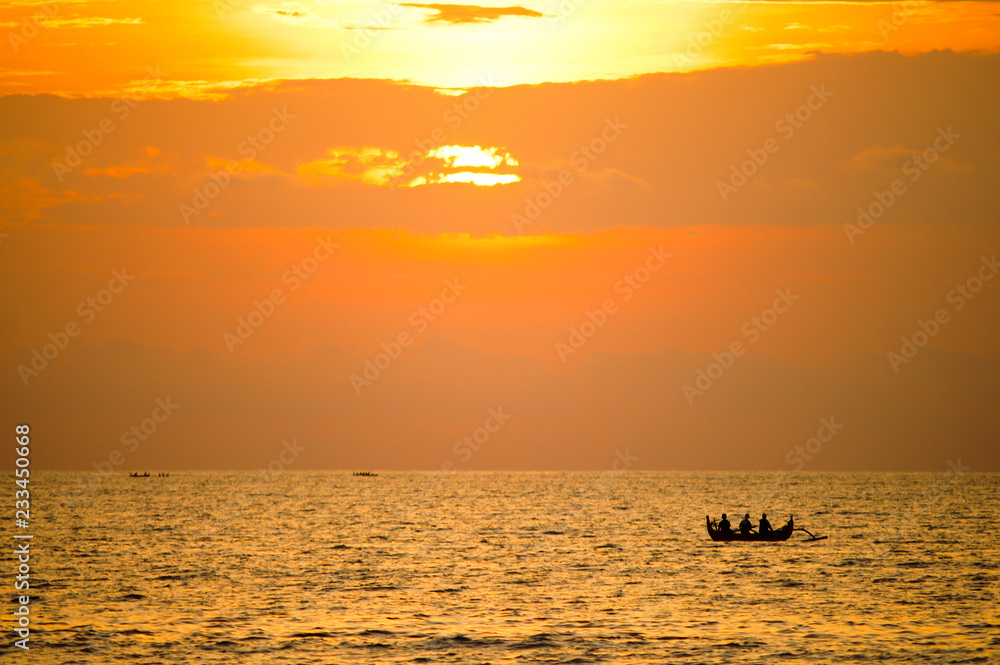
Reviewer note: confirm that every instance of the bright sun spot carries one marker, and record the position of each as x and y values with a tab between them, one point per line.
482	179
472	156
376	166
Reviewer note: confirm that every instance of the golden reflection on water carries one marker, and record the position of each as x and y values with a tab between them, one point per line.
511	567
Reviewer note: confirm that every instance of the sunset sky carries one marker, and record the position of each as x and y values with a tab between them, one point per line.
689	235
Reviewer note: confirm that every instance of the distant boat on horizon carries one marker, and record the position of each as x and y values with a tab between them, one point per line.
365	473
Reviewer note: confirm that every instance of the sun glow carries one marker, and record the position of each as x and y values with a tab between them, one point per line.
378	166
460	155
481	179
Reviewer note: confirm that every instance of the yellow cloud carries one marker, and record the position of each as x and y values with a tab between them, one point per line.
121	171
25	198
137	167
81	22
459	155
371	166
481	179
376	166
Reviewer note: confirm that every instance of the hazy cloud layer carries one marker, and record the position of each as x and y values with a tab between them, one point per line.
659	150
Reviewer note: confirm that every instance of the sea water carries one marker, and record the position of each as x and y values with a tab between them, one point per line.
505	567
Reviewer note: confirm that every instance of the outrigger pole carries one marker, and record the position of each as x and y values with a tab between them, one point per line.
811	534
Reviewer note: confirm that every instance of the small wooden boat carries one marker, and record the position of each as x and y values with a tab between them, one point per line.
777	535
365	473
139	475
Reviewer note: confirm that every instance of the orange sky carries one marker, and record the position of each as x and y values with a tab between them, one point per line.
89	48
569	215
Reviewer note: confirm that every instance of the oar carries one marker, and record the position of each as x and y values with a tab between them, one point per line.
810	533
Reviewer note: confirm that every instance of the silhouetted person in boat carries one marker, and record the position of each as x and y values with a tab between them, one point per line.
724	526
765	526
746	527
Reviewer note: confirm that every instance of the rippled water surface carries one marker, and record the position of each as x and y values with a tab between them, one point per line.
413	567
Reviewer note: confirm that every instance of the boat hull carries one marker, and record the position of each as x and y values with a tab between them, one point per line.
776	536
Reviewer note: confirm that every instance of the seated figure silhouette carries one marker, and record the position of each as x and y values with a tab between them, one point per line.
724	526
765	526
746	527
